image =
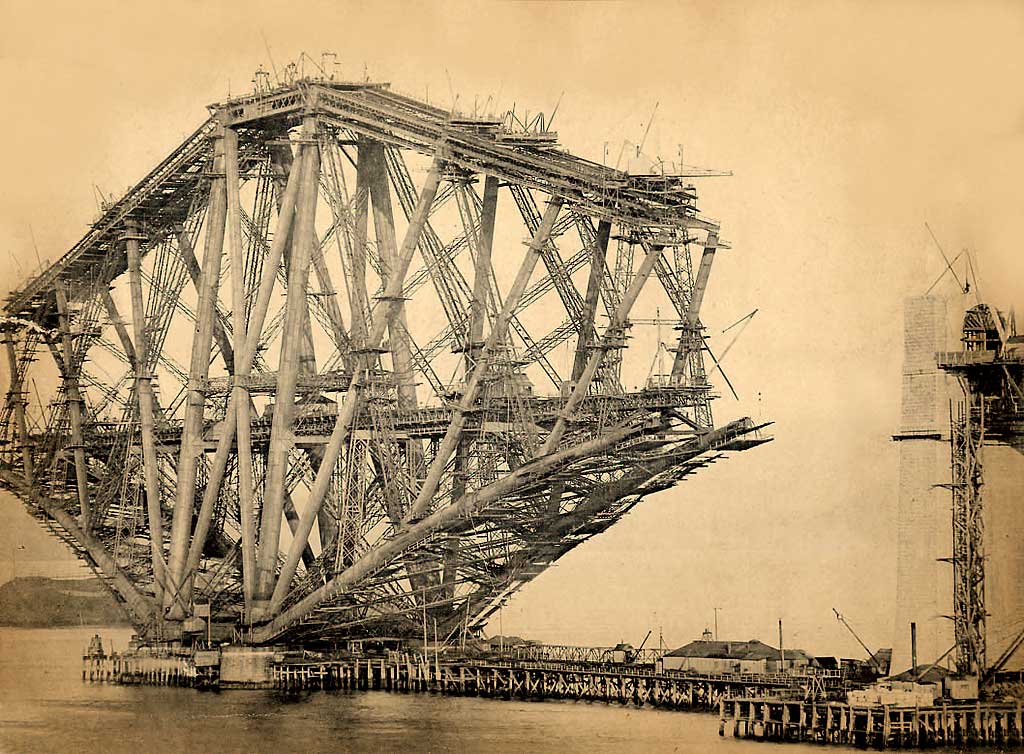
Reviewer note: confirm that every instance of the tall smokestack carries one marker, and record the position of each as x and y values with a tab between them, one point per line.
782	652
913	645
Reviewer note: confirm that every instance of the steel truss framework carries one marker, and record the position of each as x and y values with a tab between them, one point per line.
967	436
282	396
990	370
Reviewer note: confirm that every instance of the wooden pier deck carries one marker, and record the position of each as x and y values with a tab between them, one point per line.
879	726
609	683
149	669
748	706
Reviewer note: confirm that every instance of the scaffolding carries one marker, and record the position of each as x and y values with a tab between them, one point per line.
990	370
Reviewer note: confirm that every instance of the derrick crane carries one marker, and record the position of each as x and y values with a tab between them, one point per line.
872	658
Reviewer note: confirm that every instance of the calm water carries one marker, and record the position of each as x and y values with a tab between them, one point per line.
45	707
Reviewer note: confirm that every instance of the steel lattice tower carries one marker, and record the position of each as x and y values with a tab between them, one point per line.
990	369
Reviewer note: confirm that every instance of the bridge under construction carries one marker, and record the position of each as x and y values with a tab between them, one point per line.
305	382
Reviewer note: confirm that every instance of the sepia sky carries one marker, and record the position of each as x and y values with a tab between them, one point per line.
847	126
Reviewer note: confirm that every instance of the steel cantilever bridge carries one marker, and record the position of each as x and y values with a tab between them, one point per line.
281	382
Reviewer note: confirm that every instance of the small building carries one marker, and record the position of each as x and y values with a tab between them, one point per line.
710	657
623	653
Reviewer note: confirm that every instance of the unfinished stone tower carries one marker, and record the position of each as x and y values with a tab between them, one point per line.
924	582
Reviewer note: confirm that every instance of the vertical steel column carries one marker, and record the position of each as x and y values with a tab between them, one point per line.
690	335
398	327
145	399
610	340
18	402
328	526
240	389
477	318
281	158
281	440
382	318
358	298
598	252
482	271
387	247
74	399
198	373
328	291
454	432
228	428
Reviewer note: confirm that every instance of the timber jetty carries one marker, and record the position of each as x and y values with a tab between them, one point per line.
783	707
880	726
400	671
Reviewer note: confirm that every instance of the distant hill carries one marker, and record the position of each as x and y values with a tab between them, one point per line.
36	602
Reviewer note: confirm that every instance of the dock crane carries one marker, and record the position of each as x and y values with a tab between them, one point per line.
871	655
635	654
